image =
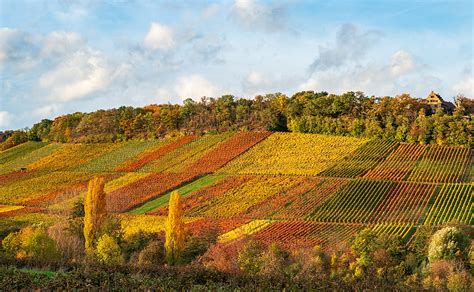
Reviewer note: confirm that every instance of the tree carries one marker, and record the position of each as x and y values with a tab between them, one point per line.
363	246
40	130
447	244
174	229
250	258
17	138
94	211
108	250
40	246
31	243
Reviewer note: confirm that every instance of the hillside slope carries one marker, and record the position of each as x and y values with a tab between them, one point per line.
295	189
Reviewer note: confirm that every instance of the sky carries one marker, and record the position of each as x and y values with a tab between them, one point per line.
64	56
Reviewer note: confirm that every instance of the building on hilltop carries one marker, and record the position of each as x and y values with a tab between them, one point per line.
435	101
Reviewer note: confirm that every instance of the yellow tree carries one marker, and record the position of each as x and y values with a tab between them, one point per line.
174	229
94	211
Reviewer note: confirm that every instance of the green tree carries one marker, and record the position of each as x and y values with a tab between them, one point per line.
250	258
449	243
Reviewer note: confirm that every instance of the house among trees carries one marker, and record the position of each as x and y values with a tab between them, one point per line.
435	101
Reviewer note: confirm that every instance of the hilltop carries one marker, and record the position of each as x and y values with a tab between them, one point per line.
401	118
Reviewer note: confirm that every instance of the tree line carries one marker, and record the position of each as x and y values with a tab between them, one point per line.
401	118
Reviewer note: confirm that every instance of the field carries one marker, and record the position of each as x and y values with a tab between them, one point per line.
298	190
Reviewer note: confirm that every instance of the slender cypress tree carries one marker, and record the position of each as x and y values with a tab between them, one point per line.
174	228
94	211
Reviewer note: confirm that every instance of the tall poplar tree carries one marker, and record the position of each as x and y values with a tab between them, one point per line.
174	229
94	211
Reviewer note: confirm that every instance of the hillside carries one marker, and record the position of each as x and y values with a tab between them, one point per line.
295	189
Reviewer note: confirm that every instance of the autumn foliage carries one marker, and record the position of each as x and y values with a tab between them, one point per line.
94	211
174	230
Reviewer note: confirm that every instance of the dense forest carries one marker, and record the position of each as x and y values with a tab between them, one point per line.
401	118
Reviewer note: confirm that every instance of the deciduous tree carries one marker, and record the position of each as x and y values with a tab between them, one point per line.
174	229
94	211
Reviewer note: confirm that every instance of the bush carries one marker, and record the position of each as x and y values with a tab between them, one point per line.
250	258
448	274
11	244
32	243
196	246
222	258
70	245
364	243
40	246
314	263
108	250
136	242
275	261
459	281
449	243
152	255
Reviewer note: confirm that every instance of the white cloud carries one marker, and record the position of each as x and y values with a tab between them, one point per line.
465	86
351	45
211	11
257	82
400	73
81	75
402	63
5	119
253	15
60	43
17	47
350	65
255	79
160	37
195	86
73	13
163	93
46	111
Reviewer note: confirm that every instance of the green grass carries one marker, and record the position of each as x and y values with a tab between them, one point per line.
19	151
184	191
35	272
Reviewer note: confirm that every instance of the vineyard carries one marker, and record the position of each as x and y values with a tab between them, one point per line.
298	190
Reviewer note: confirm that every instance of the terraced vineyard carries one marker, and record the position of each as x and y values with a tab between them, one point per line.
298	190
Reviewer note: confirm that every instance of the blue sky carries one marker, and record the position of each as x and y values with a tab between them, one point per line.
64	56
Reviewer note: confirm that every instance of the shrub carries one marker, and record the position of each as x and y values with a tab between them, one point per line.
364	243
39	245
275	261
135	243
459	281
222	258
314	263
250	258
31	243
69	244
108	250
196	246
448	243
152	255
11	244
